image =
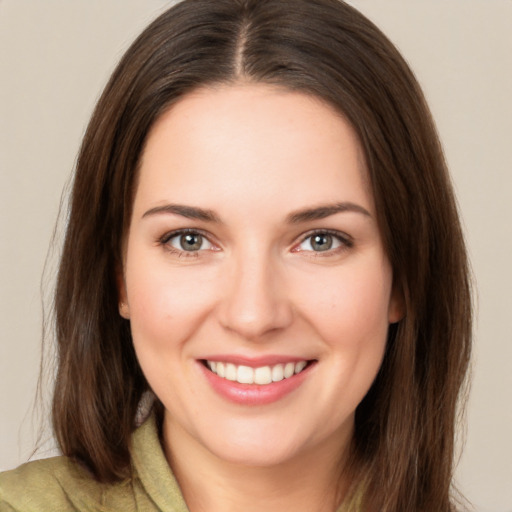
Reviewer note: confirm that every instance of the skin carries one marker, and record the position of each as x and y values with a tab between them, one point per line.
254	155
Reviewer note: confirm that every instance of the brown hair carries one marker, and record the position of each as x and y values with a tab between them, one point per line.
405	426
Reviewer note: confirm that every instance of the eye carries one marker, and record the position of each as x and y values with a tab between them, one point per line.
323	241
187	241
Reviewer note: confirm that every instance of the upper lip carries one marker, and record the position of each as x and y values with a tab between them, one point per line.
255	362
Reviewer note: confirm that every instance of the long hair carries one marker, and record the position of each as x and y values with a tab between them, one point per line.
403	444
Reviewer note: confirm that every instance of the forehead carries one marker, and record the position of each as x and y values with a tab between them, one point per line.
252	142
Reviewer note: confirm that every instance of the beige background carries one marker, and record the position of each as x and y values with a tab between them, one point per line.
55	57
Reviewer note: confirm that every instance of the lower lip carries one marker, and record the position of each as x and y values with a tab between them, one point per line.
254	394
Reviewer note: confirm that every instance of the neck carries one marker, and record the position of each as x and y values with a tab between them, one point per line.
309	482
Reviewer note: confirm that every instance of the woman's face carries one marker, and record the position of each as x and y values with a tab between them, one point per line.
255	280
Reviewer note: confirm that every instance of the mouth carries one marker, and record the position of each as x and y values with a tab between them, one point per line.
261	375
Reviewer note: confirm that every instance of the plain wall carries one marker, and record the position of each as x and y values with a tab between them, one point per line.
55	56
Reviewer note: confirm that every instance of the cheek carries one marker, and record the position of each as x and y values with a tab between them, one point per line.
166	304
166	308
349	306
350	316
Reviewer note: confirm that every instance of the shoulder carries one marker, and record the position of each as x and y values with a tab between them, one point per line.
60	484
56	484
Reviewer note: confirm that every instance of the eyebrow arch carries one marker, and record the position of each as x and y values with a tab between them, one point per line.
190	212
321	212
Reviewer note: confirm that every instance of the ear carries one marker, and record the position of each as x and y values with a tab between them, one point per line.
396	310
124	308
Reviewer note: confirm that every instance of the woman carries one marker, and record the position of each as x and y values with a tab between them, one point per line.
263	235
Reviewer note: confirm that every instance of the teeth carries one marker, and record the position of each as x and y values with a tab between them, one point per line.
230	371
261	375
300	366
277	373
289	370
245	375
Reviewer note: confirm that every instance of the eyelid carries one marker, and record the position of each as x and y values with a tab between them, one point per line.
343	238
164	241
182	231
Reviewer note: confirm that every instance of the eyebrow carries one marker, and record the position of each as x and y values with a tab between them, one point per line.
324	211
189	212
297	217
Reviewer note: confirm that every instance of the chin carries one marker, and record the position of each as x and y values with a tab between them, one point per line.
260	444
255	455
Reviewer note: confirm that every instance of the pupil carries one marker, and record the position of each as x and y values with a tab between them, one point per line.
321	242
191	242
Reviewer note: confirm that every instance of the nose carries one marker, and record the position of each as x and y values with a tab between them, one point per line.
255	301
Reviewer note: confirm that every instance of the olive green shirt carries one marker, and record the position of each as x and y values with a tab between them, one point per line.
60	485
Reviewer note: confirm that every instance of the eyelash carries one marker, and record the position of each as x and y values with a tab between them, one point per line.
345	241
165	239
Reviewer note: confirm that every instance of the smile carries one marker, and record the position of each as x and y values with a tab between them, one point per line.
261	375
